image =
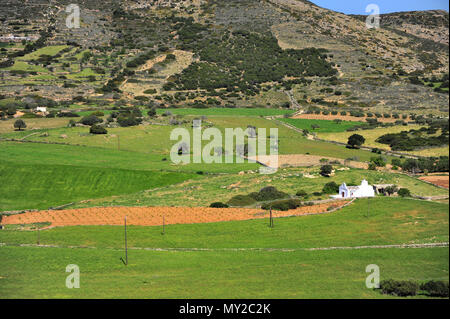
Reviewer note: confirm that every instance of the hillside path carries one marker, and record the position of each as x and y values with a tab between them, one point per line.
399	246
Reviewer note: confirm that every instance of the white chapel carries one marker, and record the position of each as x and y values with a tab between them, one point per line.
363	190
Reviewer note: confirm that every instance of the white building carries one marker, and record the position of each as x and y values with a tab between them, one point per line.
41	109
363	190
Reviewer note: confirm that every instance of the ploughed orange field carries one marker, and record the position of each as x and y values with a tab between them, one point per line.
437	180
153	216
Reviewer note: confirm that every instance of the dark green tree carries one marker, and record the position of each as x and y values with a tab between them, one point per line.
19	124
355	141
330	188
326	170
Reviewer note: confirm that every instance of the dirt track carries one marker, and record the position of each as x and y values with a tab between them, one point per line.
153	216
302	160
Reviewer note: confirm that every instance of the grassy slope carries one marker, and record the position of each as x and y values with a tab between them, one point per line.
292	142
372	135
199	193
156	139
41	186
37	123
31	153
41	175
325	126
48	50
234	274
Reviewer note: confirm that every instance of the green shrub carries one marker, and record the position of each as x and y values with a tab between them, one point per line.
326	170
317	194
436	288
399	288
283	205
404	192
301	193
379	161
31	116
98	113
330	188
128	120
90	120
219	205
67	114
97	129
150	91
268	193
241	200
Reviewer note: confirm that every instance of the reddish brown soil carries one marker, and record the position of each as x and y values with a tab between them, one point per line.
153	216
442	181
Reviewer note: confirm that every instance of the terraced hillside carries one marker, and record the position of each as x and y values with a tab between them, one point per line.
143	52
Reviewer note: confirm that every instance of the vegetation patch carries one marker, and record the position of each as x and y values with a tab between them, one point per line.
321	126
227	60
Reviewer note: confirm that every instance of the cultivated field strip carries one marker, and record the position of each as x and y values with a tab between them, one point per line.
440	181
155	216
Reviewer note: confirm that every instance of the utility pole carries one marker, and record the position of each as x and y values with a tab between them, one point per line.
271	219
126	247
163	225
38	236
118	142
368	206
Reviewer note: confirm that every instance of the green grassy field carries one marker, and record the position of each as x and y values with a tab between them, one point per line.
325	126
290	271
34	153
39	176
290	141
48	50
40	186
235	274
155	139
87	113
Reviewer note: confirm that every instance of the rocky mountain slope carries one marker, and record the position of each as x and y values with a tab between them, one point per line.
235	52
